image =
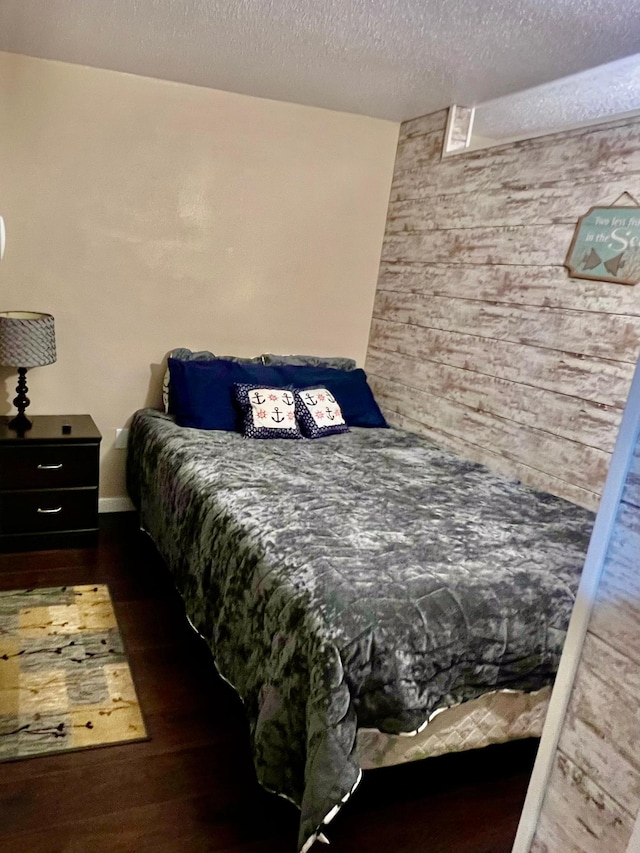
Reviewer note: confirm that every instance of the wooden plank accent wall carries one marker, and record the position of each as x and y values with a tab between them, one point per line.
593	794
479	339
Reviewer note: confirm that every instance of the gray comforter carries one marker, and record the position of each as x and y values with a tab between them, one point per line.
364	579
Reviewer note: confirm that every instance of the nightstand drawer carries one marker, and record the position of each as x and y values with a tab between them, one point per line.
48	466
46	511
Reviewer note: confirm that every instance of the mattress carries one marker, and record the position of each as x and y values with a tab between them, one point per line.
493	718
361	581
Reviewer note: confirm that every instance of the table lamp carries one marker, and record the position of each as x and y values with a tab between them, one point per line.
27	339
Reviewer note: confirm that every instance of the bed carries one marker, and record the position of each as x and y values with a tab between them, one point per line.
356	587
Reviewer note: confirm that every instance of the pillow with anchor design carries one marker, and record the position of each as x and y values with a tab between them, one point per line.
318	413
267	412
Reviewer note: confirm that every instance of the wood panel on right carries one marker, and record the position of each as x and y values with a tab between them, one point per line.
593	792
479	338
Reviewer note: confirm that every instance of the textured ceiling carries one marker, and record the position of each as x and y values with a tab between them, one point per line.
394	59
598	94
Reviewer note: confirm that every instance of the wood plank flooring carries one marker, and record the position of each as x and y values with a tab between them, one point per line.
191	788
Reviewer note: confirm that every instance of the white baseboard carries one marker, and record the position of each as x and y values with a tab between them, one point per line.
122	504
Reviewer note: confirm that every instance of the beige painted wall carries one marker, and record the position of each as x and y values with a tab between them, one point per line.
146	215
480	340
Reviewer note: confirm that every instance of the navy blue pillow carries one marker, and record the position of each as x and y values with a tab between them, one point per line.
349	387
202	391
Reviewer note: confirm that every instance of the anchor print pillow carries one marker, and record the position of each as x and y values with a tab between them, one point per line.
267	412
319	413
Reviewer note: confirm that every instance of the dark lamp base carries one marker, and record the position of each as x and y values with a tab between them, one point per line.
20	423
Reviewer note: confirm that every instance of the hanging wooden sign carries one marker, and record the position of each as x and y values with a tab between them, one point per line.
606	245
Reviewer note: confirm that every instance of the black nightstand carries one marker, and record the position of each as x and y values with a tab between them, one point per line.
49	483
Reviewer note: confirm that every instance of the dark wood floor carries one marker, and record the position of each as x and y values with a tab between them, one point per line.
191	788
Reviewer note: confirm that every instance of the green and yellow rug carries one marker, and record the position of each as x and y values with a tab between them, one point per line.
64	678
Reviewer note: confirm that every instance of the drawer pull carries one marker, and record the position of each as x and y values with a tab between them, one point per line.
50	467
49	511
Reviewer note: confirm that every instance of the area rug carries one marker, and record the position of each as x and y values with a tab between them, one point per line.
64	678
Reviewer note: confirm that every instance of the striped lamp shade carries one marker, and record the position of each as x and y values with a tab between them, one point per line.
27	339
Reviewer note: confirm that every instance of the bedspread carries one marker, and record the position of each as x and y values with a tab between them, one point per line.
363	579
